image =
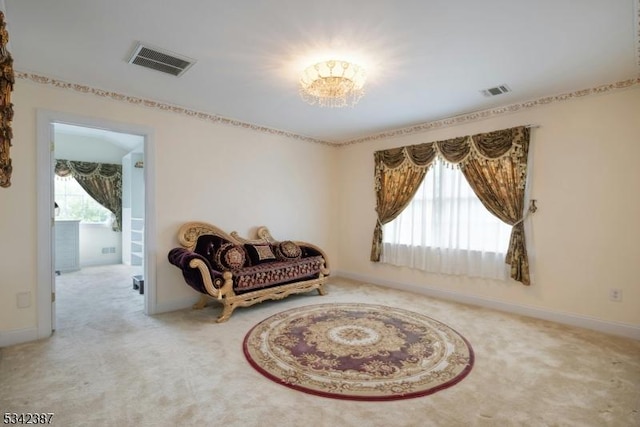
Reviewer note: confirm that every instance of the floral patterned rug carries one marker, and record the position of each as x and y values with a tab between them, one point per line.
358	352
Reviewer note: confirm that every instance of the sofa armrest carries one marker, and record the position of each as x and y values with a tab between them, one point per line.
309	250
197	271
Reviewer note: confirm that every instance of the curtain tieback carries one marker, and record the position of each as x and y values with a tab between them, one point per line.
532	209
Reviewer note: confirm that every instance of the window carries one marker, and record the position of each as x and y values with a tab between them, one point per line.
75	203
446	229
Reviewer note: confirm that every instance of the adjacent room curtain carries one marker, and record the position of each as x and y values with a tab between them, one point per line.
495	165
102	181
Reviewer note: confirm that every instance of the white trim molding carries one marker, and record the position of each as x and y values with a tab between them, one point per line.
607	327
18	336
177	304
44	152
637	16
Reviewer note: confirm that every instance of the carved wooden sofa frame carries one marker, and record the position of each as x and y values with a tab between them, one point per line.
219	285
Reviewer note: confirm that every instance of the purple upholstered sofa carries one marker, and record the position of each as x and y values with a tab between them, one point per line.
241	272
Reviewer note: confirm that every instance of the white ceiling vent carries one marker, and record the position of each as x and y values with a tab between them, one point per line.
160	60
494	91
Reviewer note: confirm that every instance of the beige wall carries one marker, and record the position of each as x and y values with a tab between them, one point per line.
235	178
585	237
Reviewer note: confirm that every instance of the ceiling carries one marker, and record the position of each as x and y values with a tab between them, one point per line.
125	141
426	59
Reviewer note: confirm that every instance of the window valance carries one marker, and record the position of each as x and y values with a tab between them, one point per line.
78	169
459	151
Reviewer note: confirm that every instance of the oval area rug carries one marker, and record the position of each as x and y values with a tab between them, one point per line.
358	352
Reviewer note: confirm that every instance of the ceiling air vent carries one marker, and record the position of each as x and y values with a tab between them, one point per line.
498	90
159	60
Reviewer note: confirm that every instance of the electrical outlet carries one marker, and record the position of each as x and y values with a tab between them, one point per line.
615	294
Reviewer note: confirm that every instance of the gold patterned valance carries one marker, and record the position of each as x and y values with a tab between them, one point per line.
6	107
458	151
82	170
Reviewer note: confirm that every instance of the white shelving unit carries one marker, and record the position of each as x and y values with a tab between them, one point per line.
132	210
137	241
67	245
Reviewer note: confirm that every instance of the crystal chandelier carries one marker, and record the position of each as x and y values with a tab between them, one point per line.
333	83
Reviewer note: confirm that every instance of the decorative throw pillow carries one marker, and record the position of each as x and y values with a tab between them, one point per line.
207	246
260	253
288	250
230	257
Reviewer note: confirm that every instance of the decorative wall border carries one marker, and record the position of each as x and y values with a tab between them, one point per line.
419	128
214	118
493	112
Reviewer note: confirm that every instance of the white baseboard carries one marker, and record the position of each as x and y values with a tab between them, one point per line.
175	305
614	328
18	336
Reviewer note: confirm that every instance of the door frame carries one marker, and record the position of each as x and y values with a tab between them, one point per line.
45	266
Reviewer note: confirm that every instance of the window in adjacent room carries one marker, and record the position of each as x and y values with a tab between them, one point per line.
75	203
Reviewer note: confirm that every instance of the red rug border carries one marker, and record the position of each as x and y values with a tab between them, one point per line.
462	375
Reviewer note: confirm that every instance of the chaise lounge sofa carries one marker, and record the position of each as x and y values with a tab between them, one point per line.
241	272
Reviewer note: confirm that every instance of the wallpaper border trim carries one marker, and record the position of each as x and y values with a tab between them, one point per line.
214	118
419	128
498	111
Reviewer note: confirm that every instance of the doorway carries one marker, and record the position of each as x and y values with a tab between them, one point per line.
99	208
136	145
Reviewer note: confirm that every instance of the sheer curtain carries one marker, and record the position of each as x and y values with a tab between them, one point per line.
446	229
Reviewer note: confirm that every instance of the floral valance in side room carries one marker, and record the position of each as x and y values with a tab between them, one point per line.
102	181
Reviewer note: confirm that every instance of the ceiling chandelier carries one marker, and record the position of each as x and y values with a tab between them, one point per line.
333	83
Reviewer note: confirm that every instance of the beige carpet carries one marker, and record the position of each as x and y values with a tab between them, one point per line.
109	364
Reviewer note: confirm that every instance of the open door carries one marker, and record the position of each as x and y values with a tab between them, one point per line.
53	229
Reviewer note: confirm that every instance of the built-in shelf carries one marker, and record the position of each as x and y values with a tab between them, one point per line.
137	241
67	245
133	209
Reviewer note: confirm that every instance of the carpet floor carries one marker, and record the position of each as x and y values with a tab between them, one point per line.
108	364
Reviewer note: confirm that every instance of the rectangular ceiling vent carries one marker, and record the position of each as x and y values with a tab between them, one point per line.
494	91
160	60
